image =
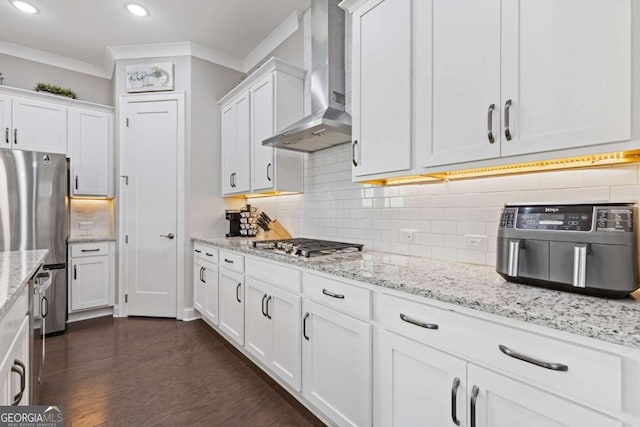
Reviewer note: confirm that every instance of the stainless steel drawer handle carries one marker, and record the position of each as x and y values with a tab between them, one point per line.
408	319
19	368
507	117
514	257
267	305
269	171
198	251
332	295
304	326
580	252
454	401
90	250
547	365
6	135
238	292
15	136
474	399
208	254
169	236
353	153
228	261
492	108
264	297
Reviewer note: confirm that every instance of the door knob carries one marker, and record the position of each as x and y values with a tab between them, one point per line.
169	236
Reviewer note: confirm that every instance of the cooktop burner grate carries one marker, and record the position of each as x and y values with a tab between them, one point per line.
307	247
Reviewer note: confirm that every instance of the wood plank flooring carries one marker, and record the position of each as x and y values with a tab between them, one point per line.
148	372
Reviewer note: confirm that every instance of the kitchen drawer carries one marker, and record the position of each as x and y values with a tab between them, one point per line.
206	253
340	295
592	376
232	261
276	275
79	250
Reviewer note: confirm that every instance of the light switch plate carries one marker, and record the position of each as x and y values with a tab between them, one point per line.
475	242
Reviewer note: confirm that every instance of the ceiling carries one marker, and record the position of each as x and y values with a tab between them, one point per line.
82	29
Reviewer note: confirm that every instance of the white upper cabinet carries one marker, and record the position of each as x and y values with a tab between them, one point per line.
266	102
236	146
458	70
39	125
566	72
90	136
382	87
5	121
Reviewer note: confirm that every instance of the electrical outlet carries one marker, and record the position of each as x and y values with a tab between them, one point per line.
408	235
475	242
86	225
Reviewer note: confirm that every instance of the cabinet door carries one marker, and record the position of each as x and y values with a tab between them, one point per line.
262	119
283	309
229	148
198	286
89	282
5	121
566	70
89	150
39	125
503	402
231	304
259	337
419	386
21	355
336	364
236	143
458	80
382	87
210	276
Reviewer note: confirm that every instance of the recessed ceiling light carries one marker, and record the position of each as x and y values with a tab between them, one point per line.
136	9
24	7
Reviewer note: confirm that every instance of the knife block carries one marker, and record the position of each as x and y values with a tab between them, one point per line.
276	232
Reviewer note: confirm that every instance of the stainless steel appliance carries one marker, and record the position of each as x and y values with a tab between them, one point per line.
306	247
39	309
33	215
589	248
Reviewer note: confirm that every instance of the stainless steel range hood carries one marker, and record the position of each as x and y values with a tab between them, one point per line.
328	124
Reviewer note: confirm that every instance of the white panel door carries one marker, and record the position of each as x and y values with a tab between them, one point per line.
89	144
459	116
382	88
39	125
503	402
259	329
336	365
198	286
231	304
229	148
151	151
262	120
283	311
210	276
89	282
566	71
5	122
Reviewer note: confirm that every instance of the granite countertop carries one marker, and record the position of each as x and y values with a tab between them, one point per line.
16	268
475	287
89	239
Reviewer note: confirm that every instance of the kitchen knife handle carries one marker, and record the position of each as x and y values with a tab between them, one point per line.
353	153
492	139
507	121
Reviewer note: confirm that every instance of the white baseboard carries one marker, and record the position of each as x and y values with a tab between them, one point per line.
90	314
189	314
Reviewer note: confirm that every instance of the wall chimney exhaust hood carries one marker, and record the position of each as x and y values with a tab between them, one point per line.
328	124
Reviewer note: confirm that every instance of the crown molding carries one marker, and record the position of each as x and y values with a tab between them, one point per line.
47	58
282	32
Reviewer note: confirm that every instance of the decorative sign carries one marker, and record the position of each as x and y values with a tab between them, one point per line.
149	77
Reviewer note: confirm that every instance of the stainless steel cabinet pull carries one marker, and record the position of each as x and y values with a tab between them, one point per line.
492	107
332	295
552	366
264	297
408	319
89	250
76	182
6	135
474	399
507	113
228	261
268	169
202	274
304	327
208	254
15	136
454	401
169	236
19	368
234	180
198	251
514	257
268	301
353	153
231	180
238	292
580	252
75	272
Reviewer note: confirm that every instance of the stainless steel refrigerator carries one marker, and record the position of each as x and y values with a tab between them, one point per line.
33	215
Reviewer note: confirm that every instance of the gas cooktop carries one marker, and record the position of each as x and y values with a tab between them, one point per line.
306	247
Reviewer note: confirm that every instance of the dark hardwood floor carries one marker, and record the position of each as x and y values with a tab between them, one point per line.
147	372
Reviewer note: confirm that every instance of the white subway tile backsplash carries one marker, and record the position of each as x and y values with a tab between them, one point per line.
611	176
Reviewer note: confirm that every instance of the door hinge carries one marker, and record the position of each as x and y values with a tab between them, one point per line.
126	298
126	239
127	121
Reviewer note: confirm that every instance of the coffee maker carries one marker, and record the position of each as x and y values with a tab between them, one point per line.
233	216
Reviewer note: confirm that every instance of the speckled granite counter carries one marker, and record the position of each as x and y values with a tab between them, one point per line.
16	268
90	239
475	287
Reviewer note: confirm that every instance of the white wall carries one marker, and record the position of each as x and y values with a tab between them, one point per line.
25	74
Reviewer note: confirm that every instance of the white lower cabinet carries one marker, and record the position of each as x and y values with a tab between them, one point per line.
498	401
92	276
205	290
231	304
419	386
15	369
336	364
272	327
